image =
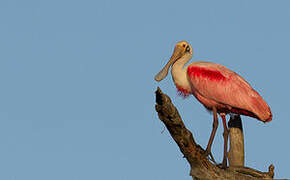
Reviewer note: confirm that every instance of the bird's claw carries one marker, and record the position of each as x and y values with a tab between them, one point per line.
210	156
222	165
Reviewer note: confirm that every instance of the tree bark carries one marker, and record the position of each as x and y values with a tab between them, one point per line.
236	155
201	167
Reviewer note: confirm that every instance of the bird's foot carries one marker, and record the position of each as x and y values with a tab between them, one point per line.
210	156
223	165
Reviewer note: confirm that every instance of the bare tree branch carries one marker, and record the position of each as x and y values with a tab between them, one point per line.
201	167
236	153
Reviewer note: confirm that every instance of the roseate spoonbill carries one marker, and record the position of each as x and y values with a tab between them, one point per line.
216	87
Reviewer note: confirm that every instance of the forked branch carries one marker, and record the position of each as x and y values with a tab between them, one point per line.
201	167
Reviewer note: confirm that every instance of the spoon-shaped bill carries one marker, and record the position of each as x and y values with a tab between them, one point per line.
163	73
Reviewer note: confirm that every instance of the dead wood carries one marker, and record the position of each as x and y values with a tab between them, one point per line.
201	167
236	154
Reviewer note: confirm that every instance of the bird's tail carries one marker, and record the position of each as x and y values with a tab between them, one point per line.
261	109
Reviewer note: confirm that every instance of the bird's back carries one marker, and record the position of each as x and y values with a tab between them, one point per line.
230	91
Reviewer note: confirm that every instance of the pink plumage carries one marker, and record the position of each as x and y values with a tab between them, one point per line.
215	85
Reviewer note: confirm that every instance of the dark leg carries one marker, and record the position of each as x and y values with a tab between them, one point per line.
214	128
225	134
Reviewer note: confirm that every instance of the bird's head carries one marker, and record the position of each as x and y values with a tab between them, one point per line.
182	48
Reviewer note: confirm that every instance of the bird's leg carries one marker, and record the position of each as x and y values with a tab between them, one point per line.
214	128
225	134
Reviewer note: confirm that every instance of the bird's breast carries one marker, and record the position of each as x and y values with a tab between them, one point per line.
181	82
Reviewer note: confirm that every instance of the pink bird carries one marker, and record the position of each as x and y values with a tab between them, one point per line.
216	87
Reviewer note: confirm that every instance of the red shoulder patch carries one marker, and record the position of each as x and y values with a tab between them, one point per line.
182	92
205	73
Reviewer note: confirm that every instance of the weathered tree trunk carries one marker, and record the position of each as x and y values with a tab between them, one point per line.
201	167
236	155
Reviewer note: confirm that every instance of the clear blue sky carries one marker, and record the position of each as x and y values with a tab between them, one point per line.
77	88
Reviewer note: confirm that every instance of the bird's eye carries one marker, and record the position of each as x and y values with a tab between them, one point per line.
187	48
183	45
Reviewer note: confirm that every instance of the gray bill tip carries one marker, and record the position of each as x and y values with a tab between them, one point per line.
157	78
162	74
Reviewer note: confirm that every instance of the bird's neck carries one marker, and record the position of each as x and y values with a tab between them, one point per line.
182	61
178	73
178	66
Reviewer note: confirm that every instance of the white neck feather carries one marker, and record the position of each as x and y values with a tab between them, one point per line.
179	73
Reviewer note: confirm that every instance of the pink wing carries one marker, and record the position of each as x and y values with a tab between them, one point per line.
218	84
